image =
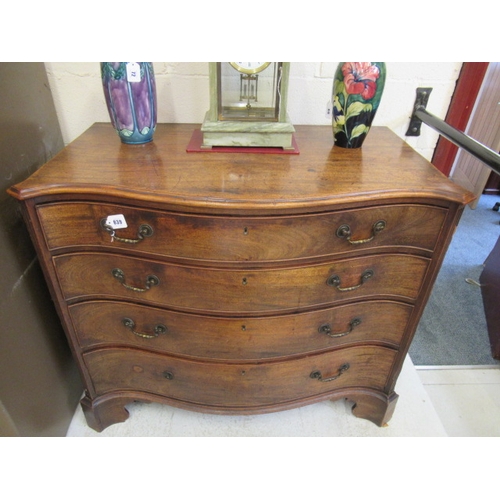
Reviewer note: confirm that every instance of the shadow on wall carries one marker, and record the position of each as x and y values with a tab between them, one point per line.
39	382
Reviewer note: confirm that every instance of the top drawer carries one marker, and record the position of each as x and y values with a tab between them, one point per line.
241	239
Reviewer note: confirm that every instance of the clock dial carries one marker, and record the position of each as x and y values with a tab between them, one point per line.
250	68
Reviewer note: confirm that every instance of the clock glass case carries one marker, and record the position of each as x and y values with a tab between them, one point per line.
248	106
248	91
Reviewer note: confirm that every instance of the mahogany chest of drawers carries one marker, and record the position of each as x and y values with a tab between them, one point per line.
239	283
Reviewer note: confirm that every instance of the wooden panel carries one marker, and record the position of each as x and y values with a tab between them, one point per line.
100	324
237	385
484	126
240	291
493	184
244	268
162	172
461	106
241	238
490	290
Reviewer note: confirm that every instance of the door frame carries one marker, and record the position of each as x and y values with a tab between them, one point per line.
484	126
462	103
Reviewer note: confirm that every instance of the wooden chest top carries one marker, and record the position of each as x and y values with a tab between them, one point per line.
97	163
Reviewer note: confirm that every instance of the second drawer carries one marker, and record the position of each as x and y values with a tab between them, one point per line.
236	291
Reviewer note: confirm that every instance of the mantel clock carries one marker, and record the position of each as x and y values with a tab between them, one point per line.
248	105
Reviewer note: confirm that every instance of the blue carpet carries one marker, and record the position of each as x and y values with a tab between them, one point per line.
453	328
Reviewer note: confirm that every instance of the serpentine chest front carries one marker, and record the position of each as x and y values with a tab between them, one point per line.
239	283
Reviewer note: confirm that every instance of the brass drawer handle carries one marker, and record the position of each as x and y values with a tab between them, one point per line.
158	329
145	231
327	329
335	281
150	281
317	374
344	231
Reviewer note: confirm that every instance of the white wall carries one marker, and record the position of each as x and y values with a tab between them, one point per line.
182	90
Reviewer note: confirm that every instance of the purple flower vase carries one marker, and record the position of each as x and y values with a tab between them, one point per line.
130	92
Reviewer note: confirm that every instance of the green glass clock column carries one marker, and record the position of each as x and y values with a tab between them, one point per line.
248	105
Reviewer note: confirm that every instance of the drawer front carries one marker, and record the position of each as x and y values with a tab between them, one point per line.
240	384
241	239
105	323
232	291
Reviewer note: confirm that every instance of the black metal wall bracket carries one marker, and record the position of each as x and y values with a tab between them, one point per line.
420	114
421	100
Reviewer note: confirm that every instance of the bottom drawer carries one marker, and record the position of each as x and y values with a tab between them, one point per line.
238	385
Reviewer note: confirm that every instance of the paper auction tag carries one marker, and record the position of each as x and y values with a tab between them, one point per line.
133	72
116	221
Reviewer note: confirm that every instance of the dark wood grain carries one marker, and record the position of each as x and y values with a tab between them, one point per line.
242	239
236	291
237	385
100	324
490	291
162	172
244	248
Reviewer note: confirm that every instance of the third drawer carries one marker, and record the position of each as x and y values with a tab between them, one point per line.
106	323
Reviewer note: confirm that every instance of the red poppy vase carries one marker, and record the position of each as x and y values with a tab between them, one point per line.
356	95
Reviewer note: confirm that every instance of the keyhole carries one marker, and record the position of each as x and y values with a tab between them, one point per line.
245	231
244	281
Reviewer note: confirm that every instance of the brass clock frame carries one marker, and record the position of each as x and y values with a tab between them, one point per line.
248	71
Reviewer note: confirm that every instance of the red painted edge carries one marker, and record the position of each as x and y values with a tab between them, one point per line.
468	84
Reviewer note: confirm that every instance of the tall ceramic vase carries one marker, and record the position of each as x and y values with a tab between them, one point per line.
357	90
130	92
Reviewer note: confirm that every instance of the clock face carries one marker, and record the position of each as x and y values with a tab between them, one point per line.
250	68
